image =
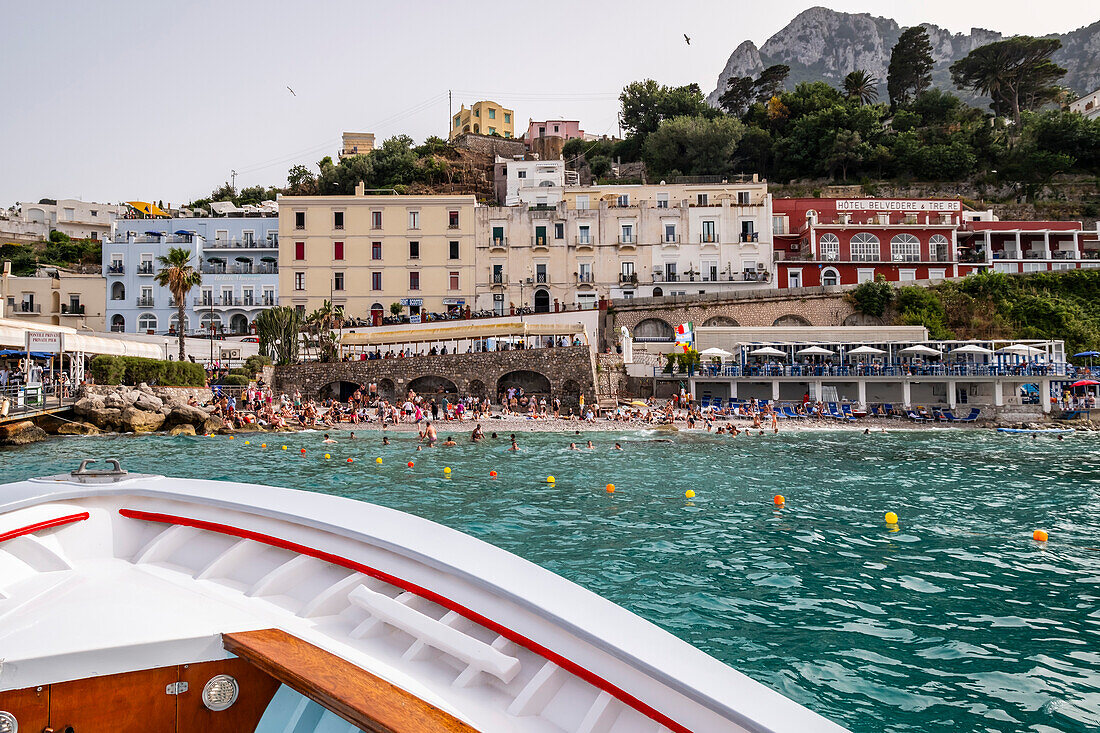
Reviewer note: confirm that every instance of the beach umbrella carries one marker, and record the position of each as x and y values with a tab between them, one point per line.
1022	349
1087	353
862	350
920	349
638	403
815	351
1085	383
767	351
715	351
971	349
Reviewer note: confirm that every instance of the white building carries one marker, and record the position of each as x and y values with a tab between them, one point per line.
78	219
1088	105
532	182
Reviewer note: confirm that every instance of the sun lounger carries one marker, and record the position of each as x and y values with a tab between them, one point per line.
789	412
974	413
847	410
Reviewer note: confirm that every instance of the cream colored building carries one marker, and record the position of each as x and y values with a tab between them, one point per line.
483	118
78	219
356	143
624	242
55	297
367	252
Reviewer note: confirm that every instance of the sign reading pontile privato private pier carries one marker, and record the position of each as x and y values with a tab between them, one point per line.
44	341
896	205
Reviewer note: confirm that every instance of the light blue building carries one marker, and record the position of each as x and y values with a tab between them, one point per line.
238	258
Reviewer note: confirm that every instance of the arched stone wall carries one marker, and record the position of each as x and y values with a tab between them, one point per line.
791	319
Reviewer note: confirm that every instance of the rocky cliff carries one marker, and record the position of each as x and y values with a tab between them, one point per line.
825	45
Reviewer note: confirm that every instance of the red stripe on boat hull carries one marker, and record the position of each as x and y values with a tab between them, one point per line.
590	677
47	524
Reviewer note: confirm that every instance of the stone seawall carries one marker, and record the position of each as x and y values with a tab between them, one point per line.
566	372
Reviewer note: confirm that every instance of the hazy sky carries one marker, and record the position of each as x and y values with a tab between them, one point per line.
110	101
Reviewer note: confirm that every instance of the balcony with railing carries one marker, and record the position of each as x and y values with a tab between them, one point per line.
244	243
26	308
671	240
114	269
498	243
585	278
144	301
146	268
708	238
68	309
500	279
749	237
627	241
628	278
542	277
539	243
583	242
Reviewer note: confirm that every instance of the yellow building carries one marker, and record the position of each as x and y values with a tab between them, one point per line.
356	143
367	252
55	297
483	118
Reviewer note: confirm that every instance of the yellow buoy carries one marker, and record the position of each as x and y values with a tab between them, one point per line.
284	447
549	479
1039	535
689	494
891	518
378	460
447	469
327	456
611	488
247	443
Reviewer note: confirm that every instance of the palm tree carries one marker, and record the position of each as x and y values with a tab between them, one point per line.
179	277
322	321
861	86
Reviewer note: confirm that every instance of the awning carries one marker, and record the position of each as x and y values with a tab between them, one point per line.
148	208
464	331
14	337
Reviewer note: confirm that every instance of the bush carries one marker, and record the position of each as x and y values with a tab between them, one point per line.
135	370
241	371
871	298
233	380
256	363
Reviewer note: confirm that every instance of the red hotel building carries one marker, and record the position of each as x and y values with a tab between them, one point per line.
846	241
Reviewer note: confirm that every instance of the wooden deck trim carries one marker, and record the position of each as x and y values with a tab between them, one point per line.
357	696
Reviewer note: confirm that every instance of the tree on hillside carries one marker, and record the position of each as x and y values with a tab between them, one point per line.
646	104
693	146
910	69
848	150
179	277
300	181
1016	73
770	83
738	95
861	87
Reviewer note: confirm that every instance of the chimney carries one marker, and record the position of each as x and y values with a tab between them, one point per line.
361	189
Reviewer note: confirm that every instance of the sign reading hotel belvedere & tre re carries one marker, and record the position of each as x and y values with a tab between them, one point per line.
897	205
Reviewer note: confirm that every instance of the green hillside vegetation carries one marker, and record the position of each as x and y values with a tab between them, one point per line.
60	250
1042	305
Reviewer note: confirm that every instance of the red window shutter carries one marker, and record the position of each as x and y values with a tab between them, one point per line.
337	250
299	250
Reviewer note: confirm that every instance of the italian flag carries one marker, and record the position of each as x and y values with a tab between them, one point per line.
685	332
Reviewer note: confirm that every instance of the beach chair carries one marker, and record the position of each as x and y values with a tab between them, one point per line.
789	412
846	408
834	412
916	417
974	413
948	416
888	410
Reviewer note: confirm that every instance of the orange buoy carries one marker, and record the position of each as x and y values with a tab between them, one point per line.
779	500
1039	535
410	464
611	488
349	460
303	451
492	474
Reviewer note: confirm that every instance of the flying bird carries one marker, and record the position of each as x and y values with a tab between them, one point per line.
687	39
291	91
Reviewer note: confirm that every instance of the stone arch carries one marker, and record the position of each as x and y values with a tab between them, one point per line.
721	321
238	323
430	384
118	291
531	382
654	329
477	388
791	319
386	389
862	319
340	390
542	301
570	390
118	323
657	292
830	276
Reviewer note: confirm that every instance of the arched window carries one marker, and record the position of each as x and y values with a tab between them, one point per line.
147	322
542	301
175	322
865	247
118	291
828	247
211	319
939	248
829	276
905	248
118	323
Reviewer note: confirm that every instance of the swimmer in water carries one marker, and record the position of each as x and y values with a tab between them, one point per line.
590	446
385	440
328	439
352	436
573	446
430	434
867	431
514	447
449	441
617	447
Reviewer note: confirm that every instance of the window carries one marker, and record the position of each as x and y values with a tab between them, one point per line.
414	220
453	250
299	220
248	296
627	234
458	120
453	281
627	269
147	322
670	272
559	230
492	130
907	275
376	250
905	248
299	281
939	248
498	274
584	235
937	274
477	113
865	247
623	200
414	250
521	174
584	272
710	234
414	281
507	117
452	219
118	323
299	250
555	128
743	198
376	220
662	201
709	270
748	231
269	296
492	114
207	296
582	203
865	275
794	278
540	273
376	281
221	235
498	237
779	225
337	250
828	246
337	220
702	199
670	233
337	281
830	277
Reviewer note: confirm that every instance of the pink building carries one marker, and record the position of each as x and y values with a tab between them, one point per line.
565	129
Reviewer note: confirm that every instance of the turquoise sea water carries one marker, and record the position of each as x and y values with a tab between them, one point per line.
957	620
